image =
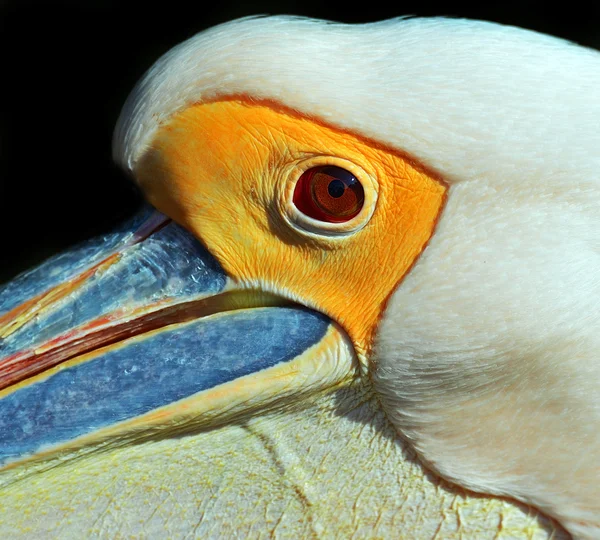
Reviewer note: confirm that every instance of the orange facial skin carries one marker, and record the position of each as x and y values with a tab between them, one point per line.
227	170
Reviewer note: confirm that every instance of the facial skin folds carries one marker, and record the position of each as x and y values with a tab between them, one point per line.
226	171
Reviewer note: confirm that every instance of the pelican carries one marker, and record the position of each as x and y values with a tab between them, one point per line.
366	305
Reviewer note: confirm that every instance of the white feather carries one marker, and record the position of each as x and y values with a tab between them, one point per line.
487	358
474	100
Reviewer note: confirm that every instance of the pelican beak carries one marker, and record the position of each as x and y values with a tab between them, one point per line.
141	331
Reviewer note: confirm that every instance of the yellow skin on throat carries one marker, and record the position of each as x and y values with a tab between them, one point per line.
226	171
326	466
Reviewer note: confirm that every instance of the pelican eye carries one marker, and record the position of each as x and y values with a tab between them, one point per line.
329	193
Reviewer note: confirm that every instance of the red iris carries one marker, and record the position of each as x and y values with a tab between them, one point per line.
329	193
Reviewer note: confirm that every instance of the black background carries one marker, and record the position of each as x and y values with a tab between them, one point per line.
68	66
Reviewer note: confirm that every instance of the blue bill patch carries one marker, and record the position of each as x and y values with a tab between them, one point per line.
152	372
66	265
170	265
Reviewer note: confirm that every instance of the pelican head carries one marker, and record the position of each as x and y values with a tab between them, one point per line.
374	249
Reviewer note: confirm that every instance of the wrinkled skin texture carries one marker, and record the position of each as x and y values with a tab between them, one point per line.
332	467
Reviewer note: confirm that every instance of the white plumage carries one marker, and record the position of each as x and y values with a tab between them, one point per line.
487	356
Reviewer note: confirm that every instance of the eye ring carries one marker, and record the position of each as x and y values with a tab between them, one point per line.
308	225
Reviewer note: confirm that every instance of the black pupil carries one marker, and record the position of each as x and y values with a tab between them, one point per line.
336	188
